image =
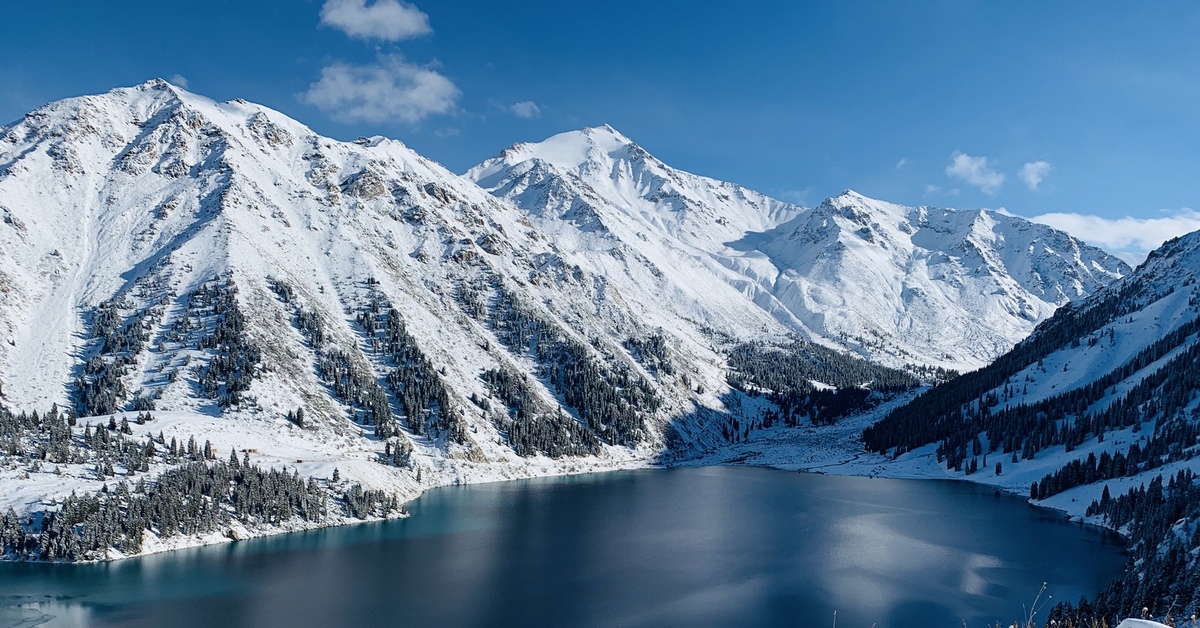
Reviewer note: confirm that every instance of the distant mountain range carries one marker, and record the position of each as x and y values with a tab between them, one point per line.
899	285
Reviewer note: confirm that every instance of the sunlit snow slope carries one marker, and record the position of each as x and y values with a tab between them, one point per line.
902	285
362	276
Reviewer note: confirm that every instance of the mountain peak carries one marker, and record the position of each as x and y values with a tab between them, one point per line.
155	88
849	200
573	149
605	132
156	84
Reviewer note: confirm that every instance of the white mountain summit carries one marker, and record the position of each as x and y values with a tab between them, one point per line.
896	284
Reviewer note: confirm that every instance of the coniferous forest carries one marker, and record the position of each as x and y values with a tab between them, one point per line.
196	492
808	381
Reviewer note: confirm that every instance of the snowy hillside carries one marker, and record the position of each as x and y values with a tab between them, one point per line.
1097	413
652	231
161	251
901	285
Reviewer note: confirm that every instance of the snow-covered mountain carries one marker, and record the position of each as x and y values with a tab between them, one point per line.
159	249
902	285
1097	413
325	305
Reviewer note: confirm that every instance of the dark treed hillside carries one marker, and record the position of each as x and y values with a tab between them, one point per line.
787	373
1136	415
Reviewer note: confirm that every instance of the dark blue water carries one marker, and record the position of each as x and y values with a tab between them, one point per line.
720	546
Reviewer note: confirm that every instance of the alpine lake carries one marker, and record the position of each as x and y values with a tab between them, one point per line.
711	546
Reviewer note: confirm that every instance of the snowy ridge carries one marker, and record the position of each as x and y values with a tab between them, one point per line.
884	280
127	205
652	231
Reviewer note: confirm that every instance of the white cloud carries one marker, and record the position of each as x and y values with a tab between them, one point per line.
388	20
1131	238
975	171
178	80
527	109
797	197
902	163
392	89
1034	172
931	190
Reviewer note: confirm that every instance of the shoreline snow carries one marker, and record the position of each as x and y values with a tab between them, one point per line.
832	450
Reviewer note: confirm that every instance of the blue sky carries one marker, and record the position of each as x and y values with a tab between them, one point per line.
1084	114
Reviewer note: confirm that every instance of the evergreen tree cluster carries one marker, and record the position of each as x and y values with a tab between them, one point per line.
230	371
100	388
1173	440
350	380
651	352
356	385
45	438
363	503
415	384
933	375
197	494
307	321
195	498
786	373
614	402
49	439
1065	419
530	427
938	413
412	378
472	297
1163	527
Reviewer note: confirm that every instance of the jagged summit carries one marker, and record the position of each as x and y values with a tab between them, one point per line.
900	284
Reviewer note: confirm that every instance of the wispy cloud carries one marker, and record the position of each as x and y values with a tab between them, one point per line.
178	80
526	109
1131	238
937	190
391	89
796	197
386	20
974	171
902	163
1033	173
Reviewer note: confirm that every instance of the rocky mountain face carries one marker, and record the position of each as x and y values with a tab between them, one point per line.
900	285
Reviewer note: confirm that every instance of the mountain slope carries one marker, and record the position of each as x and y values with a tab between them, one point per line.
928	285
163	250
1098	412
883	280
652	231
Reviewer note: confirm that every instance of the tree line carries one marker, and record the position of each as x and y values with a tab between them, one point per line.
786	374
529	425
